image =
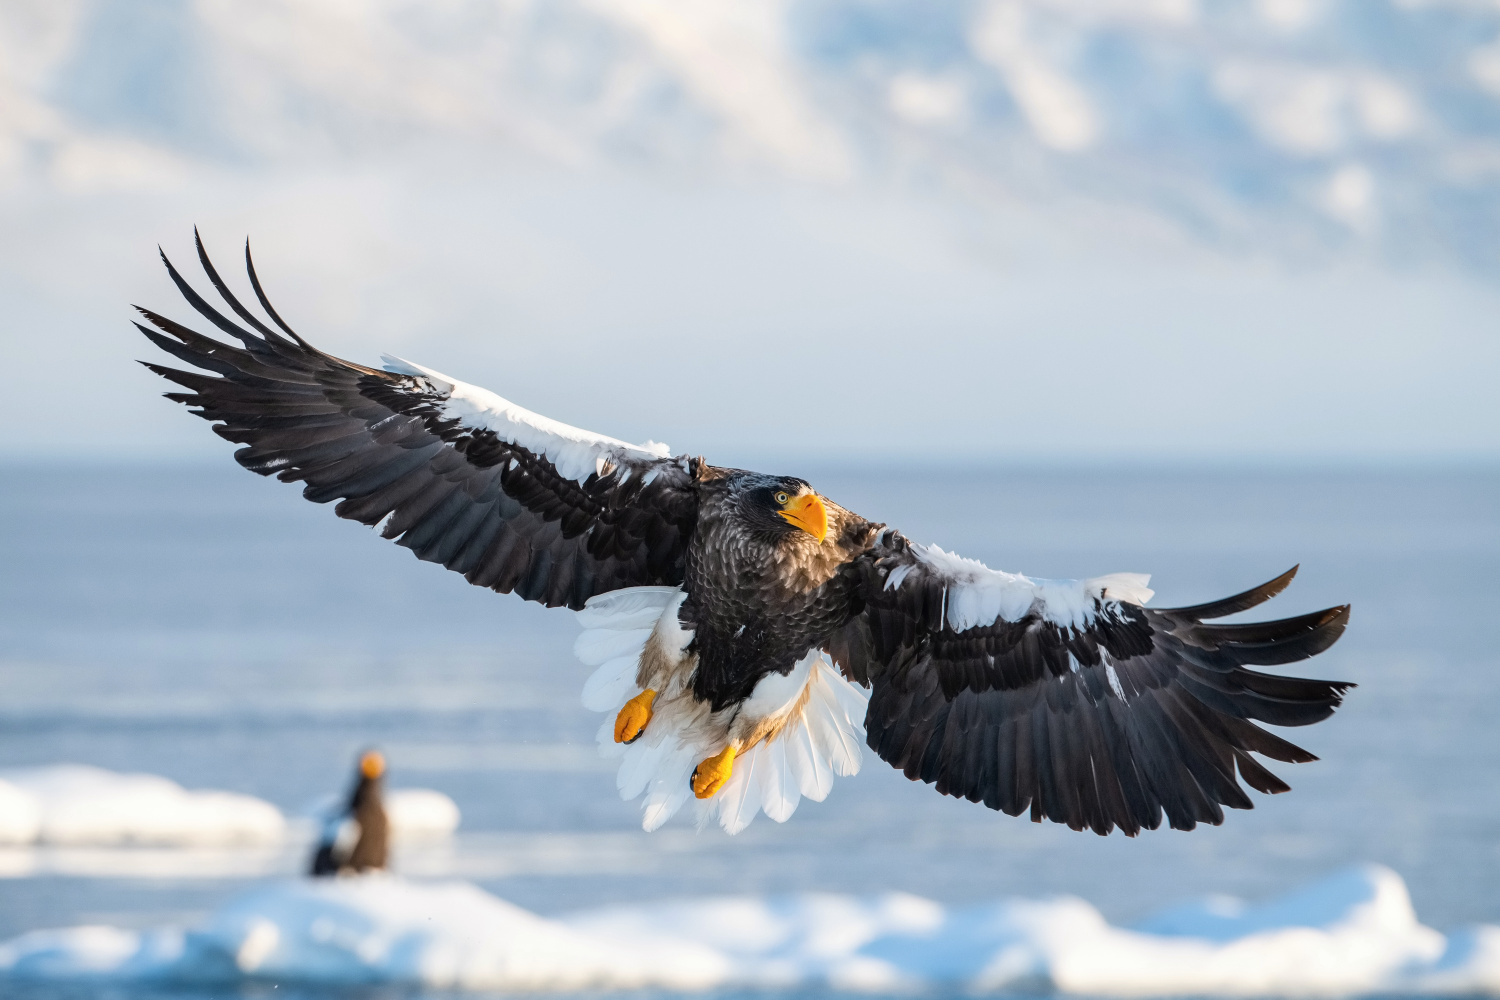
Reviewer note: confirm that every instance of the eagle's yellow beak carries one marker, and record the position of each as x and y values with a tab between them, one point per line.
808	513
372	765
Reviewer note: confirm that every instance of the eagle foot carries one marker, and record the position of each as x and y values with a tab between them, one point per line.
633	718
710	775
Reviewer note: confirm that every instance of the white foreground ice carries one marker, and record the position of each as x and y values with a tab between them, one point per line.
1352	934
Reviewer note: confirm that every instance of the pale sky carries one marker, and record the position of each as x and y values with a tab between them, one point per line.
677	221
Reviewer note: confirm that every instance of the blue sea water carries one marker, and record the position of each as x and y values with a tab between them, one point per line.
203	624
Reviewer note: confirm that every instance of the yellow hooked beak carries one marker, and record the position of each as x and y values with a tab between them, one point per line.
808	513
372	765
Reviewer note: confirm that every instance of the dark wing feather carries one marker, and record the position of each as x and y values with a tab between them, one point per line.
1110	720
385	446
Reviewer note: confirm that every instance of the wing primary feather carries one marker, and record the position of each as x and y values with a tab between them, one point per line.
265	303
1299	645
1257	777
208	312
229	297
382	446
1239	602
1280	629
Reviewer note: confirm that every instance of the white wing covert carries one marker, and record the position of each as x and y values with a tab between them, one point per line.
462	477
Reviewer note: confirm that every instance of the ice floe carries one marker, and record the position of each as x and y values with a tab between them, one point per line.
415	814
421	814
1352	934
20	815
75	804
368	929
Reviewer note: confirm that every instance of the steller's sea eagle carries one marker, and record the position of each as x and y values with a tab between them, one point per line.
738	619
356	836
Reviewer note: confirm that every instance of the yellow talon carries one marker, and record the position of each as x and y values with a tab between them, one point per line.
632	720
709	776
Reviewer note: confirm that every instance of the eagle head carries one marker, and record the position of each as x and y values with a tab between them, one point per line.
779	505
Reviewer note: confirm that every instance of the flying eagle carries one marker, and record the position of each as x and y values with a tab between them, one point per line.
750	633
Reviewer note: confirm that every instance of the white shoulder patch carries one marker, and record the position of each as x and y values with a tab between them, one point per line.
576	453
977	595
1129	587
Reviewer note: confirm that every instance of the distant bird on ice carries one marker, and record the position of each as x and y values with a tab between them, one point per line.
738	619
356	837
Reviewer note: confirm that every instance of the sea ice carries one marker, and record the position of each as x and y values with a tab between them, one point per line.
77	805
74	804
415	814
421	814
1352	934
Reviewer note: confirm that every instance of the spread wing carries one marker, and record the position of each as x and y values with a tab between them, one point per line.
460	476
1071	698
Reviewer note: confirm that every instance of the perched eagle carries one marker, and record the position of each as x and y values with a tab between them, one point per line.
356	835
737	619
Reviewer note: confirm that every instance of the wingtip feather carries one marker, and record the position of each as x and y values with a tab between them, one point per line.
1242	601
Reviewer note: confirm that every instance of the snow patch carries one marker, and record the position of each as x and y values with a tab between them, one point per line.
75	804
1352	934
20	815
414	814
420	814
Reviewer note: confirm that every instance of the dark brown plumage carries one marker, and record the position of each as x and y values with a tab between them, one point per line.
356	839
1086	708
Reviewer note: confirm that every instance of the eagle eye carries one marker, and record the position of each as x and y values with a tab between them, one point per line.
782	498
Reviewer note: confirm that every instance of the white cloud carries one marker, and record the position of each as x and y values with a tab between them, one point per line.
90	164
1349	196
928	100
1289	15
1312	111
35	36
1484	67
735	58
1057	109
1168	12
305	74
1384	109
474	183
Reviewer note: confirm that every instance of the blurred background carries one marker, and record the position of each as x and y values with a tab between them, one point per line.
1196	288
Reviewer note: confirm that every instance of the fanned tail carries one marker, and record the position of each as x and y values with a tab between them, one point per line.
822	739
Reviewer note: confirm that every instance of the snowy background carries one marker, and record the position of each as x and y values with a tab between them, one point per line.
1188	287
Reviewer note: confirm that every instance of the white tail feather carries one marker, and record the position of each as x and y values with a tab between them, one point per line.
600	645
605	738
611	686
823	738
779	788
833	737
814	774
669	791
739	799
642	762
634	607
